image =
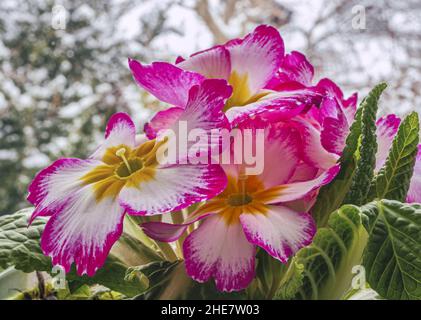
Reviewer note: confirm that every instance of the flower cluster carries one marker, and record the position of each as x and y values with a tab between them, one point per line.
245	84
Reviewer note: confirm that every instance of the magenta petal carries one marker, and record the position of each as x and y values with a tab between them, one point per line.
281	231
277	106
313	151
335	126
162	120
212	63
83	232
258	55
167	232
296	67
120	130
165	81
220	251
118	123
387	127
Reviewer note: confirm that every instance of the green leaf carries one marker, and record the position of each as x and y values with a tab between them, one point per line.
328	261
393	180
291	282
392	257
19	247
366	155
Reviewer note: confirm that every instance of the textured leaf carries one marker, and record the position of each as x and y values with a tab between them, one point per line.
291	282
19	245
393	180
392	257
366	156
328	261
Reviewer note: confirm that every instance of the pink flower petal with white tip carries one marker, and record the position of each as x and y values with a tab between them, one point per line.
162	120
387	127
296	190
51	186
221	251
280	231
296	67
165	81
313	151
120	131
83	231
276	106
258	56
212	63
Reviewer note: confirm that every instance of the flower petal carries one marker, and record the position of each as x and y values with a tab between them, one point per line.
168	232
387	127
296	190
335	128
258	56
414	192
212	63
277	106
280	231
51	186
313	151
162	120
83	231
220	250
120	130
165	81
173	188
295	67
203	112
281	141
349	106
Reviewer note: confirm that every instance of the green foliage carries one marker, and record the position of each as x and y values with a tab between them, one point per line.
291	282
393	180
19	245
392	257
328	261
366	156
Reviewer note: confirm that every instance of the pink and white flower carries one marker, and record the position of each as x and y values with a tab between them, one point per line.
249	65
87	199
252	211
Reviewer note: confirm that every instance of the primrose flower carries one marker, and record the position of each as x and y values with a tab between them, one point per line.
87	199
249	65
252	211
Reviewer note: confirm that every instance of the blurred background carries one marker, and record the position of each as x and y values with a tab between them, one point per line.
63	64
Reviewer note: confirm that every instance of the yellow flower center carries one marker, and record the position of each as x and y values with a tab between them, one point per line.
123	166
243	195
241	94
